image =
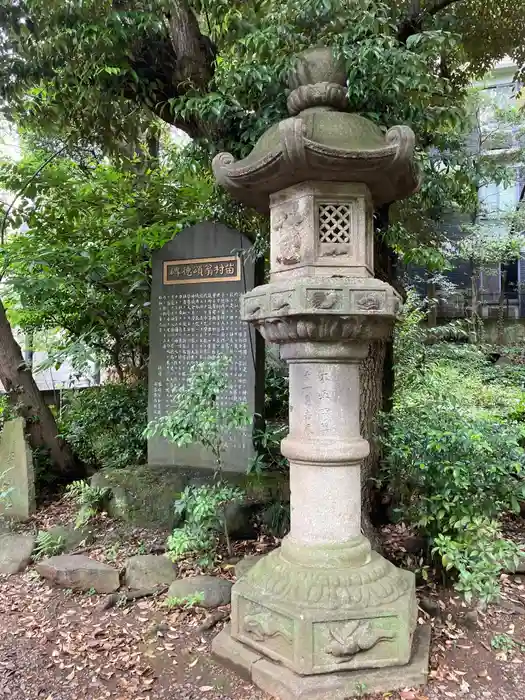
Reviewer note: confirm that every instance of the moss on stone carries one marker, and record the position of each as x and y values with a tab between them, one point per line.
144	495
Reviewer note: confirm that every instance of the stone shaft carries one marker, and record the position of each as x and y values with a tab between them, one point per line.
324	446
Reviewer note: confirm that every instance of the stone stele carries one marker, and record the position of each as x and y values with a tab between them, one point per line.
324	615
17	479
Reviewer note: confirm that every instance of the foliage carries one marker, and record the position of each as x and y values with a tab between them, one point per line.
99	70
105	425
415	344
479	553
198	416
276	517
504	642
86	72
5	494
90	499
82	260
47	544
453	453
276	390
204	511
186	602
6	410
268	457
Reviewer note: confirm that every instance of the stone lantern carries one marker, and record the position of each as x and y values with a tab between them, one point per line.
323	616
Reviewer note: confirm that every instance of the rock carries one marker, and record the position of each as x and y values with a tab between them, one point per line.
15	552
149	571
71	538
142	495
80	573
430	606
246	563
240	520
215	591
470	619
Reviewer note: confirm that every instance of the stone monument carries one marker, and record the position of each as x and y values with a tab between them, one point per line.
17	477
323	616
198	279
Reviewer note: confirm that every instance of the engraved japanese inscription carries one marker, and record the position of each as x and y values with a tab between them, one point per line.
195	316
225	269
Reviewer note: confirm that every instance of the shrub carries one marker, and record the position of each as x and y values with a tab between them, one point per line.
453	457
478	552
105	425
446	467
203	510
198	416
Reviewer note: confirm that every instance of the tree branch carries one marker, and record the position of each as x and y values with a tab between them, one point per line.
413	22
440	5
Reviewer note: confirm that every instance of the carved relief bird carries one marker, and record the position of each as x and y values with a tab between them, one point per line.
355	636
325	300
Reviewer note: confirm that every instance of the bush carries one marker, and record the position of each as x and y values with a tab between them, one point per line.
478	552
453	458
198	416
203	510
105	425
447	467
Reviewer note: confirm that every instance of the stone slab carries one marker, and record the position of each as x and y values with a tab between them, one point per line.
17	477
79	573
283	684
235	656
197	282
15	552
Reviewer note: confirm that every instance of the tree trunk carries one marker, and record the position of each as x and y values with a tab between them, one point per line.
25	396
377	386
501	308
372	392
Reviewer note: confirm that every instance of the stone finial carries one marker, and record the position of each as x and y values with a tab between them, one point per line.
321	141
317	80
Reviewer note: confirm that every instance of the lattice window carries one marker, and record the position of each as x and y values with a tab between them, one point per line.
334	223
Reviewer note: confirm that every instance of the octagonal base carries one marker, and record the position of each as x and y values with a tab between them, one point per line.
284	684
326	609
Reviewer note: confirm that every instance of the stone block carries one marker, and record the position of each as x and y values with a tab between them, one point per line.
215	591
17	477
79	573
149	571
144	495
15	552
282	683
233	655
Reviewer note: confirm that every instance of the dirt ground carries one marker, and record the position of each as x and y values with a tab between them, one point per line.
58	645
